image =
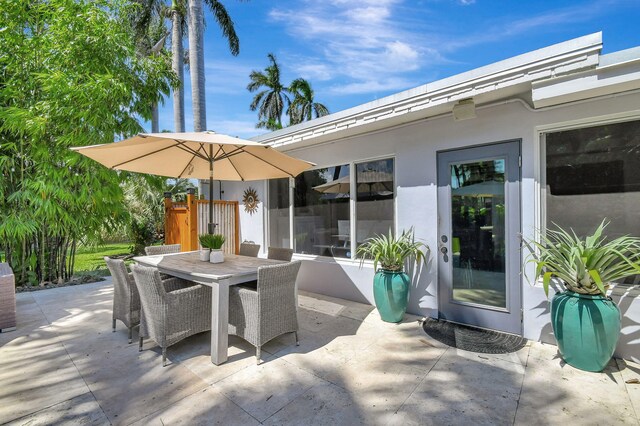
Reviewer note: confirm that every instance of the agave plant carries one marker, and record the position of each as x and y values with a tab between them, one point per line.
392	252
211	241
585	266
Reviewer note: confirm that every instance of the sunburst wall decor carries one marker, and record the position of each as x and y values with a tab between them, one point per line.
250	200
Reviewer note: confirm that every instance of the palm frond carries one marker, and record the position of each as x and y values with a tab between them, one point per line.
584	265
226	25
392	253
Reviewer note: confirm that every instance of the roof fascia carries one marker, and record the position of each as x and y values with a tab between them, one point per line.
559	59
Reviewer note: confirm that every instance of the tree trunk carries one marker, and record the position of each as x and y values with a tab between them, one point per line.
196	65
155	125
177	65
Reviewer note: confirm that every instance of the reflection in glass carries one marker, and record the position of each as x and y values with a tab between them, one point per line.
279	213
321	205
478	232
593	173
374	200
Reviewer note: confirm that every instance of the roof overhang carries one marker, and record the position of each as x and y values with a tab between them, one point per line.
616	73
509	78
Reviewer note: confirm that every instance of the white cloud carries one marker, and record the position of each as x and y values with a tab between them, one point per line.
372	86
382	43
402	55
368	45
226	77
244	128
368	15
315	71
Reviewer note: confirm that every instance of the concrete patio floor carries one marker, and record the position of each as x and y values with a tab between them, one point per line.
64	366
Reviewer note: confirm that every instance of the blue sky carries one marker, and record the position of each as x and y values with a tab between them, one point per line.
353	52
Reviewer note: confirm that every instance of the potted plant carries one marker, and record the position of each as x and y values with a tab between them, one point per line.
391	283
585	321
212	242
205	251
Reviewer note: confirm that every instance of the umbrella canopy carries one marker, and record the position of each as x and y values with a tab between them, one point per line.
192	154
199	155
338	186
368	180
489	188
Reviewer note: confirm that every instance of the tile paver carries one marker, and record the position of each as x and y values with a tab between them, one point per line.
83	409
64	366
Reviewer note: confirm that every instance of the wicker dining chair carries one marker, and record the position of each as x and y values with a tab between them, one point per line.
263	314
249	249
276	253
126	300
164	249
171	312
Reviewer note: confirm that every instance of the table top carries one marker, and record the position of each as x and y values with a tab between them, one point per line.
189	263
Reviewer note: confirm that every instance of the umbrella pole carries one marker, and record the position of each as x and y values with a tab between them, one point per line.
211	226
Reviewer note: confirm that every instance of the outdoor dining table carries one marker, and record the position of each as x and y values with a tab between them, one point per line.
234	270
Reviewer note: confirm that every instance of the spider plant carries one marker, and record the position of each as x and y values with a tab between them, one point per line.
391	253
585	266
211	241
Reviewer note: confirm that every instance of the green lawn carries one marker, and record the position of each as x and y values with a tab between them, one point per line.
90	259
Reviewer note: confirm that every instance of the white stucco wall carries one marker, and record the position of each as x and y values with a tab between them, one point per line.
414	147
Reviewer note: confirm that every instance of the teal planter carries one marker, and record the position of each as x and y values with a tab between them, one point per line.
391	292
587	329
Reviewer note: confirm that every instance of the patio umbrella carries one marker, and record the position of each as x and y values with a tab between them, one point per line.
489	188
375	181
198	155
338	186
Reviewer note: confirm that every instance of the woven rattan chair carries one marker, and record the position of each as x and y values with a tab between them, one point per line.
126	301
260	315
170	311
276	253
249	249
166	249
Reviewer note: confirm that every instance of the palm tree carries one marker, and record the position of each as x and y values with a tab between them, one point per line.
177	15
196	52
304	107
150	34
178	188
271	99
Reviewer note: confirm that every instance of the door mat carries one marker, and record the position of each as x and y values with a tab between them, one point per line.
472	339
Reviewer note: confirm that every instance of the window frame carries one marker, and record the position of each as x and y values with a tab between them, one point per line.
352	206
540	163
540	159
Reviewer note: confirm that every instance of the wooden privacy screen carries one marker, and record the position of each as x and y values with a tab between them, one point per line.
227	215
185	221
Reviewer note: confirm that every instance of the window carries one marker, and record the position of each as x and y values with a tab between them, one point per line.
594	173
322	208
279	213
374	200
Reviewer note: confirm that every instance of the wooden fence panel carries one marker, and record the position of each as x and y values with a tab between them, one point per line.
176	227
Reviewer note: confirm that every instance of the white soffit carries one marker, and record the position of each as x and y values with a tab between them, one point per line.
617	72
492	81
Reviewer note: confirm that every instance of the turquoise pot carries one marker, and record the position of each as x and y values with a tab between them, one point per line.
587	329
391	292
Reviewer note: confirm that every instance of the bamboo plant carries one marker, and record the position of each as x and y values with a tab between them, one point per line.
584	266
